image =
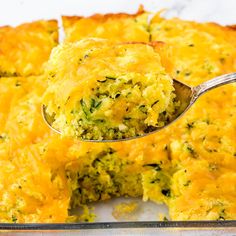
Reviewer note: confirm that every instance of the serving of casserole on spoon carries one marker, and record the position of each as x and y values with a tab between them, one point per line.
103	92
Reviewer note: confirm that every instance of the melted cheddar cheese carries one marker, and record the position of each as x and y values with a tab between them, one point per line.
116	27
25	48
107	90
204	142
190	166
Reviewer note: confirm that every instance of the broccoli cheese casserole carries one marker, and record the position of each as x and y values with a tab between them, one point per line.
101	90
190	166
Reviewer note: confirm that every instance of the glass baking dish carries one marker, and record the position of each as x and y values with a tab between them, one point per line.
124	228
27	10
142	222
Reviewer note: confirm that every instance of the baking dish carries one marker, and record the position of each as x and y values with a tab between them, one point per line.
145	223
128	227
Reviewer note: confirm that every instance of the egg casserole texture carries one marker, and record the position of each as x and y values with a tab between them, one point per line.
109	91
190	166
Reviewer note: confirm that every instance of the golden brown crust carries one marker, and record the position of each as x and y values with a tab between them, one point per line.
41	25
25	48
118	27
232	27
68	21
156	18
228	32
222	27
201	145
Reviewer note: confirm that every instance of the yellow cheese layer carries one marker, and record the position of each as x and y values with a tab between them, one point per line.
102	90
204	142
116	27
189	166
25	48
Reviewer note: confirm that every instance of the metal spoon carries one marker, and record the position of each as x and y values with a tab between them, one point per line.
185	94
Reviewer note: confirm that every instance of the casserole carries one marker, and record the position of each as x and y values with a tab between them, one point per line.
215	169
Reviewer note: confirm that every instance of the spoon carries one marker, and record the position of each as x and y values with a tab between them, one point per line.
185	94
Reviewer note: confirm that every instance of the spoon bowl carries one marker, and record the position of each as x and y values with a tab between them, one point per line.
185	94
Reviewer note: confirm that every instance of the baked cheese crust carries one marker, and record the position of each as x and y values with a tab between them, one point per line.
109	90
25	49
204	142
190	166
119	27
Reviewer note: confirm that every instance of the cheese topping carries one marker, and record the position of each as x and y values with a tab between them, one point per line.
101	90
25	49
190	166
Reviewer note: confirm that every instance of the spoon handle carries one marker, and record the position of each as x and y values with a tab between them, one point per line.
214	83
